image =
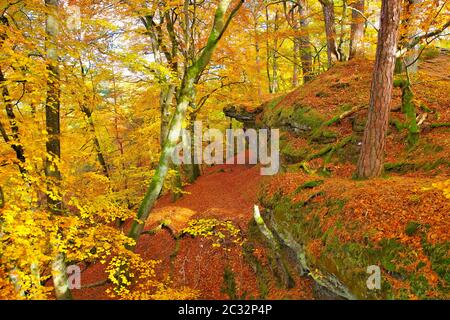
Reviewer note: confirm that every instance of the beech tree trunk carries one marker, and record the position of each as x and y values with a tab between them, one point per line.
371	159
410	60
100	157
357	30
166	98
330	31
53	145
272	54
295	68
304	42
16	145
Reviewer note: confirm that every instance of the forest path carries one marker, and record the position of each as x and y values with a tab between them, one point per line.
222	192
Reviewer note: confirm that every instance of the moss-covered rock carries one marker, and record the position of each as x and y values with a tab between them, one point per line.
348	261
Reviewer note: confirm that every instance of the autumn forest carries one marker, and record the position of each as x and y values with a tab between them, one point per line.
224	150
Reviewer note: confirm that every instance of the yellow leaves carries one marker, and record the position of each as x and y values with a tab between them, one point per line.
129	268
444	186
220	231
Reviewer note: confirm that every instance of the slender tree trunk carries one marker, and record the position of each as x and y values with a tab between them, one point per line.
330	31
258	61
272	55
2	198
295	68
191	76
166	99
53	146
304	42
357	30
371	159
342	55
100	157
15	137
193	169
275	56
412	29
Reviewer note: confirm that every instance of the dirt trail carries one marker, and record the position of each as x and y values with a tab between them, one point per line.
225	193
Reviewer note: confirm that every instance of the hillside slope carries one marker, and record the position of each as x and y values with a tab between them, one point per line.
342	226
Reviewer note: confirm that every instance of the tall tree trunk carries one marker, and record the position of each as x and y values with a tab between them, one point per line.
272	55
304	42
191	76
15	137
2	198
53	145
357	30
275	85
340	49
330	31
193	169
166	99
9	108
100	157
295	68
371	159
258	61
410	60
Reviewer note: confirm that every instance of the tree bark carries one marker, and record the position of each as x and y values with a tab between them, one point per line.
9	108
304	42
53	145
15	137
295	68
357	30
166	99
410	59
330	31
371	159
100	157
272	54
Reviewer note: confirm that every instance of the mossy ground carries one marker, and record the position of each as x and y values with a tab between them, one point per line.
343	237
347	225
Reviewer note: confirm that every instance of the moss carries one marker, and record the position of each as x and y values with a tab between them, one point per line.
411	228
430	53
430	148
419	285
397	124
292	154
358	123
440	260
273	103
229	283
409	109
308	185
307	117
298	119
440	125
349	260
400	167
322	136
425	108
345	107
350	151
427	166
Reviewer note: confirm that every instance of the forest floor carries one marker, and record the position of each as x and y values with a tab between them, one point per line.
225	193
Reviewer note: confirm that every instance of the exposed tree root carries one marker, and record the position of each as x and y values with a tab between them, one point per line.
343	115
280	269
